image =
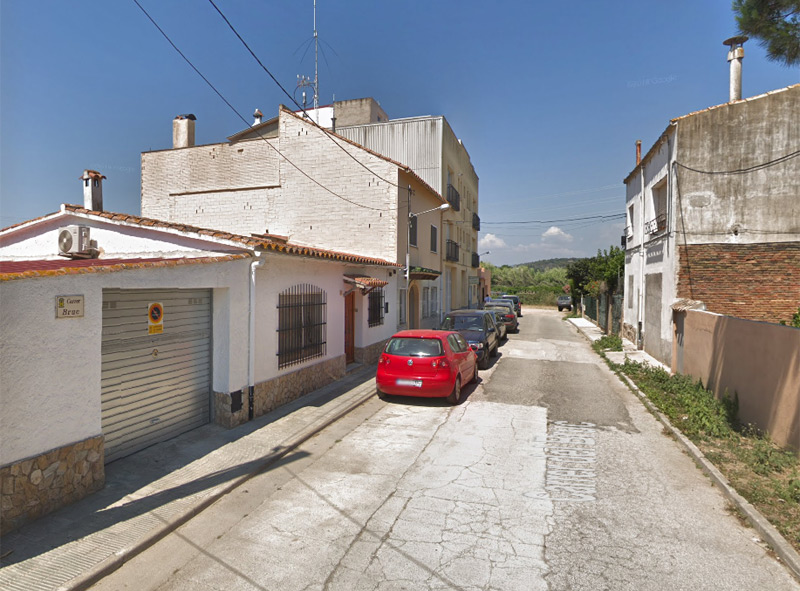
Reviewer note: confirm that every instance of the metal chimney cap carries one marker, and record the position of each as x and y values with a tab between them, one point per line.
738	40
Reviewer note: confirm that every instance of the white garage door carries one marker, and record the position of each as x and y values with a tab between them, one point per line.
155	385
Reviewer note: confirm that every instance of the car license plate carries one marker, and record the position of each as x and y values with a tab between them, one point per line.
414	383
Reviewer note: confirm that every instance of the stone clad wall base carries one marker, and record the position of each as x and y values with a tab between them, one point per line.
629	332
222	410
37	486
370	354
274	393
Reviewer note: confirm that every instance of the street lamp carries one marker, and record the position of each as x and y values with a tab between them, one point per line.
442	207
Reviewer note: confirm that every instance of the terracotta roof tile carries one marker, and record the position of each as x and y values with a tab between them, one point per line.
14	270
265	243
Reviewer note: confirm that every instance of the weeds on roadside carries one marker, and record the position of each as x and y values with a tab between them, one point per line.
765	474
609	342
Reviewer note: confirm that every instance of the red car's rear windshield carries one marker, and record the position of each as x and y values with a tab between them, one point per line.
414	347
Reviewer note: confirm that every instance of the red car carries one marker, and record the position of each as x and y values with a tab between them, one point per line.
426	363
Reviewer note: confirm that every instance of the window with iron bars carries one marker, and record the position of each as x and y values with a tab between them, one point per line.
302	324
376	307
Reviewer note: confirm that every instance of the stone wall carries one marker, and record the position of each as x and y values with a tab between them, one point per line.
36	486
223	405
271	394
750	281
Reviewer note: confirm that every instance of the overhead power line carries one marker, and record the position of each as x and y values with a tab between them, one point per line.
744	170
590	217
238	114
291	97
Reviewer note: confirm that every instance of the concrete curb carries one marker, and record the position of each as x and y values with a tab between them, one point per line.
112	563
782	548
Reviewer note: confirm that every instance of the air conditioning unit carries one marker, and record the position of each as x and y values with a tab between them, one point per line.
74	240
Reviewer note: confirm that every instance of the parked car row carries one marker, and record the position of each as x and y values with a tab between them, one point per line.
437	363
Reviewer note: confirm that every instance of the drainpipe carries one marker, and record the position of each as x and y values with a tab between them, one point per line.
642	262
251	361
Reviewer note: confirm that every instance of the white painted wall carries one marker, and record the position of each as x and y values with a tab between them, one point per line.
648	254
223	187
51	368
50	387
40	241
281	272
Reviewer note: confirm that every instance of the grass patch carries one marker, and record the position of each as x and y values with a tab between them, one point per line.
609	342
763	473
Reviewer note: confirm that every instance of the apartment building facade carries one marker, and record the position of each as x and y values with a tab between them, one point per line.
290	177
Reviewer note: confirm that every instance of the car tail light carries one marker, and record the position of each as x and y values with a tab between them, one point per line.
440	363
509	317
384	359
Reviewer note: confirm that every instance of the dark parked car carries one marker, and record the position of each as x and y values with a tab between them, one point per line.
509	314
480	330
500	321
515	299
564	301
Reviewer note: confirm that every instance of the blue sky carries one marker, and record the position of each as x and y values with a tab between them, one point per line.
548	97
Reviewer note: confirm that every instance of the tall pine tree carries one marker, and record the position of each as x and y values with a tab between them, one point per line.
775	23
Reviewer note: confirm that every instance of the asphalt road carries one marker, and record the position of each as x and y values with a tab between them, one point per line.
551	475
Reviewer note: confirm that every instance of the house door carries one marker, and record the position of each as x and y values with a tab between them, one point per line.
413	307
350	327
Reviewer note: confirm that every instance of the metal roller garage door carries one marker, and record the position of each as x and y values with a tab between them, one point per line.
154	386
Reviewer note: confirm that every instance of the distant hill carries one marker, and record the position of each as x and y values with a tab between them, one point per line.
548	264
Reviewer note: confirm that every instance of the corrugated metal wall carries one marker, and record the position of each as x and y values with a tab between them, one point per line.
413	142
154	386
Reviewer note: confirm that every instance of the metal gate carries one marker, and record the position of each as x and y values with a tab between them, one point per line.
602	312
156	366
590	307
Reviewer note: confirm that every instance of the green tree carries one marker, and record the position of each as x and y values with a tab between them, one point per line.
775	23
597	274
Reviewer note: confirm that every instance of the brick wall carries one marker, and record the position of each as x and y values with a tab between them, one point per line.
176	183
751	281
246	187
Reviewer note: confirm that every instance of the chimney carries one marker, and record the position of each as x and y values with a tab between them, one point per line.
183	131
92	190
638	152
735	56
257	117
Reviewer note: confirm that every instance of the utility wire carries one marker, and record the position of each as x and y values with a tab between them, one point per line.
591	217
744	170
219	94
291	97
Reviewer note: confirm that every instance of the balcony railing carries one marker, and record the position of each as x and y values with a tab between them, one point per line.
476	260
453	197
657	224
476	222
451	251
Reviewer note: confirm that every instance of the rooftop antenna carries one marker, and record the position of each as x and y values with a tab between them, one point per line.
316	59
303	81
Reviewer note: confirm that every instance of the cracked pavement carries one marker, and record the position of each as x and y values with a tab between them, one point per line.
415	494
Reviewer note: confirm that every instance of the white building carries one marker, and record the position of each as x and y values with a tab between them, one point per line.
150	328
290	177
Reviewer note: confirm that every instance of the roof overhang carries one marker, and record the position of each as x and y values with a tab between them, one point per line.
423	274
